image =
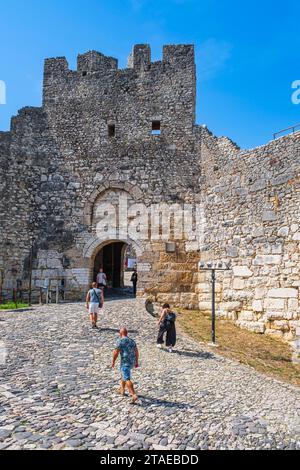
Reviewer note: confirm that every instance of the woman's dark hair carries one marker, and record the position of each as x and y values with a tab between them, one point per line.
166	306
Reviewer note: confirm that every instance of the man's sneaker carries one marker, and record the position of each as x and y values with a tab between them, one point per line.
170	350
159	346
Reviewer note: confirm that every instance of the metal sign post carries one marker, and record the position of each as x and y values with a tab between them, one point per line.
213	267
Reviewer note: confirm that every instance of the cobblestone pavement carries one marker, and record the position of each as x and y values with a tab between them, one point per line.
57	389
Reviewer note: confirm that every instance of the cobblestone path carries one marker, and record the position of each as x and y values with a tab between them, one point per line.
57	390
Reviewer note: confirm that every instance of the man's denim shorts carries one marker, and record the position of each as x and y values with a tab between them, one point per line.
126	373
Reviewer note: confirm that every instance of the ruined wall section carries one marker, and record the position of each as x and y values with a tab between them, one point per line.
25	162
252	207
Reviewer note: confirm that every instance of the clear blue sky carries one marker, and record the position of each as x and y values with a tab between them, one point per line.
247	53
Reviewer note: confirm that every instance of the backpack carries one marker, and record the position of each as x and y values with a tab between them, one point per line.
170	319
100	302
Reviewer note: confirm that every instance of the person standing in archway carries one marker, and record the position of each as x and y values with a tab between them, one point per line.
101	279
134	280
94	301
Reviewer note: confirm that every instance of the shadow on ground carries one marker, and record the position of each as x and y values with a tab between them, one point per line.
195	354
150	401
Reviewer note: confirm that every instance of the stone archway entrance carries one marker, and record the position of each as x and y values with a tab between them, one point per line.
117	258
111	259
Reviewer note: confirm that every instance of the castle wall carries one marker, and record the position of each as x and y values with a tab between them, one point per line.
252	207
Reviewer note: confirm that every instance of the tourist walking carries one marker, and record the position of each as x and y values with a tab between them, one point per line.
134	279
166	325
129	355
94	301
101	279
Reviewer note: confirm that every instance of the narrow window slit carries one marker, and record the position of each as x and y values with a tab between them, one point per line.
111	130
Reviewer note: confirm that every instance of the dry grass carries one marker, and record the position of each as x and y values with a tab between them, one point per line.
266	355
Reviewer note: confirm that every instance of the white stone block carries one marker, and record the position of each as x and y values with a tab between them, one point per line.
256	327
283	293
262	260
246	316
257	306
276	304
238	284
230	306
242	271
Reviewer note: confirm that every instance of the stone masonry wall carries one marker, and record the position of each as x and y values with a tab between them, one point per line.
252	207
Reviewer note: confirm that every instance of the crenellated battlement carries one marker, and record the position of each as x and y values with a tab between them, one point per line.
94	61
139	59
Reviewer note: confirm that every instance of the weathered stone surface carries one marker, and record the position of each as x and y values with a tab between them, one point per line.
283	293
242	271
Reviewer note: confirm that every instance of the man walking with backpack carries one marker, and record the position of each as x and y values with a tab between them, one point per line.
94	301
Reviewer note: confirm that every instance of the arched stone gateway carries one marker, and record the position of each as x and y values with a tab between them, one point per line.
110	254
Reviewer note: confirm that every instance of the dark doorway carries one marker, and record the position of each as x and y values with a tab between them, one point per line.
111	259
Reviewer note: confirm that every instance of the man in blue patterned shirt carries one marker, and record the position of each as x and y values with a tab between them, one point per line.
129	355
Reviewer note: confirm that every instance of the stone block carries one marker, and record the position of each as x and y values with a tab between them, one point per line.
203	288
246	316
276	304
257	306
269	216
232	251
282	325
283	232
262	260
230	306
189	299
260	293
277	334
242	271
204	306
256	327
238	284
283	293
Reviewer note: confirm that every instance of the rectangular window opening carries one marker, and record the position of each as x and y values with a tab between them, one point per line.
111	130
156	128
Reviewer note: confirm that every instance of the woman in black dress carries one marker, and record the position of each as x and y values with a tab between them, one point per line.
166	325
